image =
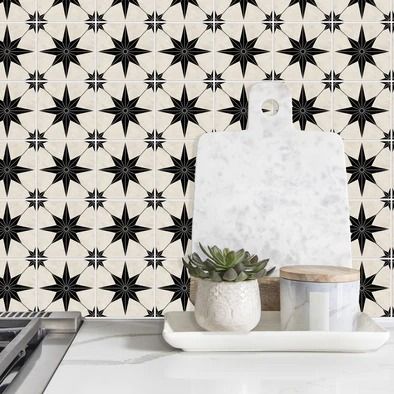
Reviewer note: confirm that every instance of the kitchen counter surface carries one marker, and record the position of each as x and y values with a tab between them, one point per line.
110	356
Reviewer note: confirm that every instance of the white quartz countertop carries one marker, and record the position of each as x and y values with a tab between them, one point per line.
110	356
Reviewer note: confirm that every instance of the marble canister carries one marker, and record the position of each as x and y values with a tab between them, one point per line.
316	304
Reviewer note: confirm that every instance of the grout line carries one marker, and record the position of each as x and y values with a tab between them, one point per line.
36	165
154	159
391	176
202	22
95	306
193	81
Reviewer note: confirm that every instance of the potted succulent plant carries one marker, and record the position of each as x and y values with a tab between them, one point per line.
227	295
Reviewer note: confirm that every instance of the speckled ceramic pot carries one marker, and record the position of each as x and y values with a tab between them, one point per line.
227	306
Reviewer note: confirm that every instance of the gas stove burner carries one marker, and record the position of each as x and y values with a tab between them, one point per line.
32	345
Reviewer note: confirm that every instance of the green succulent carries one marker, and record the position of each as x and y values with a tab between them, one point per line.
226	265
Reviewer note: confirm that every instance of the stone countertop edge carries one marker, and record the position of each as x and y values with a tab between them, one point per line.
113	356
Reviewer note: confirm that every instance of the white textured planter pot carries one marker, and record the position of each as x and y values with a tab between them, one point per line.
227	306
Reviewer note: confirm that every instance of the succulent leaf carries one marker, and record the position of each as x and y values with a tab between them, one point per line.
226	265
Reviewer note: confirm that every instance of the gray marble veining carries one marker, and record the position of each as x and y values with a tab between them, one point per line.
113	357
275	191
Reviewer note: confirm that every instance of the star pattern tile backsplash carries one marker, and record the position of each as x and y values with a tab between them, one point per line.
101	105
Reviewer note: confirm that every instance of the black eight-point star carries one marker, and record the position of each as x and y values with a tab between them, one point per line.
302	51
302	4
180	288
361	110
362	51
66	287
125	288
66	169
361	4
125	51
184	51
125	110
125	5
243	51
304	109
9	169
362	228
7	5
239	109
66	110
367	287
9	51
181	228
10	287
183	169
66	5
125	169
9	228
125	228
184	110
184	4
66	51
66	228
362	169
10	111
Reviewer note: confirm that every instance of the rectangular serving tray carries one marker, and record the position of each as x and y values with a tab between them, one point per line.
181	331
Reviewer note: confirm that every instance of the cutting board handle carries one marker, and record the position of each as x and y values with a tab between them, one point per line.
269	123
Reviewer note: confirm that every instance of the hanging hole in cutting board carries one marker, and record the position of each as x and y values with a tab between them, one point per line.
270	107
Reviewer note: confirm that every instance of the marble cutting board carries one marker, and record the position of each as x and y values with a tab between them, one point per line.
273	190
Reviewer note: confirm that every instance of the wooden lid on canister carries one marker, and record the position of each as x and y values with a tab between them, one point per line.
319	273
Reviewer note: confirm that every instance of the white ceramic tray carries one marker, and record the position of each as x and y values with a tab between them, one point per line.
181	331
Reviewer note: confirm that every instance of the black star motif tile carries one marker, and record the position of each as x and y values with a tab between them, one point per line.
125	50
66	170
172	287
374	287
302	10
17	170
302	52
66	51
66	229
184	52
184	111
17	228
66	285
16	10
66	10
312	106
362	51
242	10
369	227
125	288
125	10
184	10
231	107
17	115
243	52
368	169
17	286
101	107
175	170
174	220
66	110
125	229
362	111
125	170
364	10
125	111
17	51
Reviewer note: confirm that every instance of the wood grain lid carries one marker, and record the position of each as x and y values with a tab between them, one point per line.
319	273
